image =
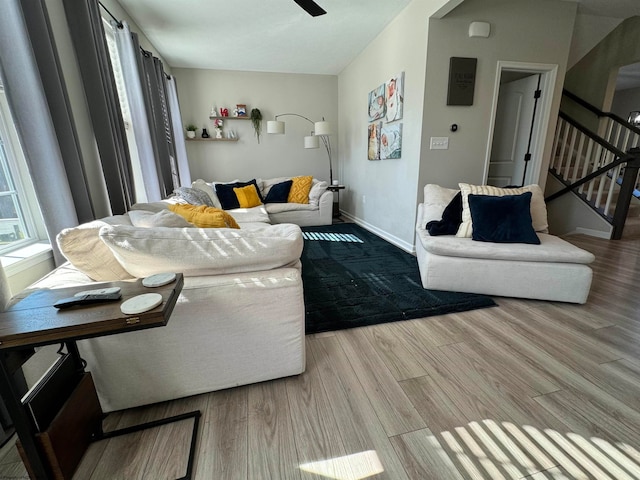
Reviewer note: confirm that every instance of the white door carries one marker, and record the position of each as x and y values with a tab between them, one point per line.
512	132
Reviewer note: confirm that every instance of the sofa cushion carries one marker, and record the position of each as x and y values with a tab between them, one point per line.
289	207
205	217
163	218
279	193
538	207
300	189
202	251
250	215
505	219
248	196
209	190
81	245
552	249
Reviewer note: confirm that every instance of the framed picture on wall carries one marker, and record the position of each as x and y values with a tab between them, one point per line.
377	105
394	97
391	141
634	118
374	141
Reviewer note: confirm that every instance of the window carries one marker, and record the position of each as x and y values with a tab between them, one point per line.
20	219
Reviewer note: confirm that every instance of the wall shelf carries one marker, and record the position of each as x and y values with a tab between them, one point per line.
211	139
231	118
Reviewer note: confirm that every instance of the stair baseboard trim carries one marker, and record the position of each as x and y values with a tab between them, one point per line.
591	232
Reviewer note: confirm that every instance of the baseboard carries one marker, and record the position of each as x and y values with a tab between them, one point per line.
407	247
591	232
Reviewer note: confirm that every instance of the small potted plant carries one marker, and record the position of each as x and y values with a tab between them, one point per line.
191	130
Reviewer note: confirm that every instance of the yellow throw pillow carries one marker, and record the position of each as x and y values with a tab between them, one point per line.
300	189
247	196
205	217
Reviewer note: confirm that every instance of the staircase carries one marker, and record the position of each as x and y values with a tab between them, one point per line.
601	170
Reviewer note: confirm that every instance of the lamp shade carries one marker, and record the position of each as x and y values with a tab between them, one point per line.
275	126
311	141
322	128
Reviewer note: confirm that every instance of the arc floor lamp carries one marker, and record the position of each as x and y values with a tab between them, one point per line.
321	131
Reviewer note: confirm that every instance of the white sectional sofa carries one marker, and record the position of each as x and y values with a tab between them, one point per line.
239	318
319	210
553	270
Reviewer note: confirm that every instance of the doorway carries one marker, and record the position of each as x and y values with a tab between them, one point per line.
519	121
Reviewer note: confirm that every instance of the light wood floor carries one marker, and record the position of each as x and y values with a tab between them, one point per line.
527	389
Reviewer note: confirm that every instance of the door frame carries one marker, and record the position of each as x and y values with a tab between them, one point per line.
549	73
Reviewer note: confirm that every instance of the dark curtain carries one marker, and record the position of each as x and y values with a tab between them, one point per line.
87	34
154	84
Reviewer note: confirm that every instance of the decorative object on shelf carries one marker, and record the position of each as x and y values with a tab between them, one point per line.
213	113
191	130
256	121
224	112
242	110
205	134
218	123
321	131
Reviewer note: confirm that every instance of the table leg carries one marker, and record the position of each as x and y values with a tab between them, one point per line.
23	425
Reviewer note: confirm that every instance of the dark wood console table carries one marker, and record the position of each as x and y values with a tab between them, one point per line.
34	321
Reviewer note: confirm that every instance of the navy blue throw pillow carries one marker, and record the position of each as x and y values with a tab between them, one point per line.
451	219
279	193
504	219
227	196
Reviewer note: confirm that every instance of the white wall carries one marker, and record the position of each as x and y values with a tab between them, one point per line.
313	96
588	31
521	31
593	77
381	194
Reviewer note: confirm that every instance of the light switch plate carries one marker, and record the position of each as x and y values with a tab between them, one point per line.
439	143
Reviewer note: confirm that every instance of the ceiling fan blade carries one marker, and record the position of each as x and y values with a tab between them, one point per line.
311	7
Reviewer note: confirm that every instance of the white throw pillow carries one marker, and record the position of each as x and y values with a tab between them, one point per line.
203	251
83	248
205	187
538	207
317	189
164	218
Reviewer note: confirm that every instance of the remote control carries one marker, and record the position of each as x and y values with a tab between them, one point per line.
86	300
98	291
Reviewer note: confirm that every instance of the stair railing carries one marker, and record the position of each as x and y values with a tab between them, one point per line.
616	130
592	167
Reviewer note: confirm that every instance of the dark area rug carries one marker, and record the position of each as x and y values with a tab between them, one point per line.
353	278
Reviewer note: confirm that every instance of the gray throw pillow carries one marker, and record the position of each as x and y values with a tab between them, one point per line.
193	196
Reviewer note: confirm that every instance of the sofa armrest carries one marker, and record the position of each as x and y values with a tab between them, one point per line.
325	204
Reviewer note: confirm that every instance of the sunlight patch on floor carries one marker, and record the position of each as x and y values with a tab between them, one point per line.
503	450
350	467
332	237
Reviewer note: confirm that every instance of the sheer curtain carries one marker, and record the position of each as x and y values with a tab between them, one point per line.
128	56
176	120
